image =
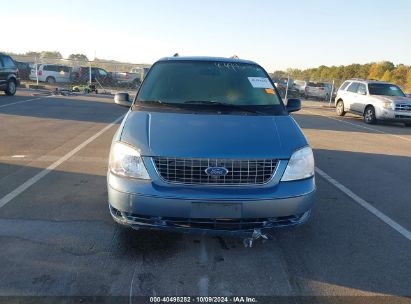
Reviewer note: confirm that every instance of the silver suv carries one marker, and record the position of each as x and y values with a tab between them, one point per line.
374	100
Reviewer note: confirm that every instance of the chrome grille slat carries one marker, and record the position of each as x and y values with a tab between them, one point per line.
403	107
191	171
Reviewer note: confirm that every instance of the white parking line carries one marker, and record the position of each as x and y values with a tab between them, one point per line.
21	101
203	260
18	156
366	205
359	126
31	181
203	286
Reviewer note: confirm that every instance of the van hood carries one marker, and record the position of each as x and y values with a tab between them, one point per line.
212	136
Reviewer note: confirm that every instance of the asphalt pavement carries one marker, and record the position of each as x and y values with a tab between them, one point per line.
57	237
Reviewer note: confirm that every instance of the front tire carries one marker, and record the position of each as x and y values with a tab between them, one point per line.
340	108
369	115
11	88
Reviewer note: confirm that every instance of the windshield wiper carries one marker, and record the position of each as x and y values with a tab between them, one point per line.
228	105
205	102
151	101
156	102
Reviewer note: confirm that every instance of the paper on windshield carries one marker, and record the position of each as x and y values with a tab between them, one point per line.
260	82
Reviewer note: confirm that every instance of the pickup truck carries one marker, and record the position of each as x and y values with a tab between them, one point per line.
82	75
135	76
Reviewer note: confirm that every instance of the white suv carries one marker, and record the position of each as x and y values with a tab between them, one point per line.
51	73
374	100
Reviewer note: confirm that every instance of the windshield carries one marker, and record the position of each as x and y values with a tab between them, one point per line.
182	82
385	89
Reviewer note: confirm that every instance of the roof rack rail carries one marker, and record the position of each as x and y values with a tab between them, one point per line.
366	79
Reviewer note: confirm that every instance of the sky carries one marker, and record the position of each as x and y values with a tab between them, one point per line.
276	34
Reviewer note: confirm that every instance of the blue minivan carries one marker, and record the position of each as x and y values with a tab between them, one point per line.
208	146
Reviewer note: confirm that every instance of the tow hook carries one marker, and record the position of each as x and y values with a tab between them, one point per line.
248	242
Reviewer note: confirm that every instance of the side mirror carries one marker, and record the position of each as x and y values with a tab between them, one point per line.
293	105
122	99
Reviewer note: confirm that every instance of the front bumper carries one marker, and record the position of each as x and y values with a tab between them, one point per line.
316	94
232	227
393	115
142	204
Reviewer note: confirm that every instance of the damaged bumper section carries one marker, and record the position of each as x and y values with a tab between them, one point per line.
211	211
223	226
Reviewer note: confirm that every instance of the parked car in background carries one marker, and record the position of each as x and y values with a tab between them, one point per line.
9	75
257	174
99	75
374	100
138	70
283	84
300	86
33	69
135	76
145	70
51	73
24	70
318	90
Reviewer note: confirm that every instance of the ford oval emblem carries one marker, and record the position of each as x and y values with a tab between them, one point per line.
216	171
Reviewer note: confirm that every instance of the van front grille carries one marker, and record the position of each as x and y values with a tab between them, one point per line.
192	171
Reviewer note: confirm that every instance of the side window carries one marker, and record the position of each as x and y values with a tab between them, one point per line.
102	72
54	68
353	87
1	61
47	68
8	62
344	85
362	89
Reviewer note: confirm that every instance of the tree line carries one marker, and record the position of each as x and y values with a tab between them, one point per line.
51	55
55	57
385	71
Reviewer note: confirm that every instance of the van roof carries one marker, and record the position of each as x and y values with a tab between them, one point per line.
206	58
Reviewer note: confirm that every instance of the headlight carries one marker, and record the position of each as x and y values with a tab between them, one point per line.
388	105
126	161
300	165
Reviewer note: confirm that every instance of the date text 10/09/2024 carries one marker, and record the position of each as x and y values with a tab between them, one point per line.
203	300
